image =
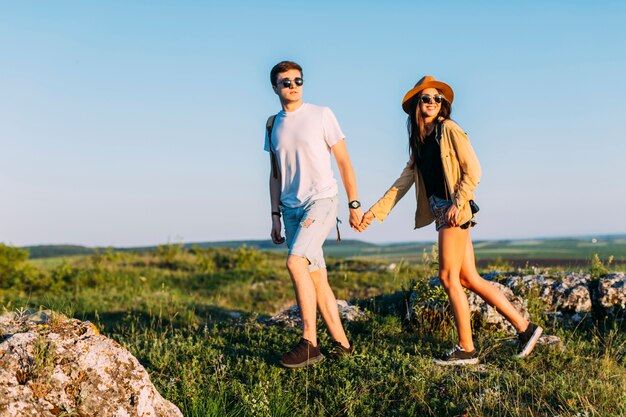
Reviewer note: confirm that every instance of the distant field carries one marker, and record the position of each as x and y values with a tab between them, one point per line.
52	262
543	252
558	252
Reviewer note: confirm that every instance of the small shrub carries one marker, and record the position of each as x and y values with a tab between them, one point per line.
45	356
205	260
597	268
430	261
63	276
101	258
256	399
247	258
224	259
38	368
172	257
244	257
430	308
11	258
12	264
499	265
537	308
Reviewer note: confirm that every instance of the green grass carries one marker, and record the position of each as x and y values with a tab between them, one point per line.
191	318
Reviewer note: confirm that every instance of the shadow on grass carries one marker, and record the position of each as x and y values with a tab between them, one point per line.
194	316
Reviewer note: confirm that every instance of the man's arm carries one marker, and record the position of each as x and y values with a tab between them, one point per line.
340	151
276	232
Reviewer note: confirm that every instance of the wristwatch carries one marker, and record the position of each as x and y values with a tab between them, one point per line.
354	204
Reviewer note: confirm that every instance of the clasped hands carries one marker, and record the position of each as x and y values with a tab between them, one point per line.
359	221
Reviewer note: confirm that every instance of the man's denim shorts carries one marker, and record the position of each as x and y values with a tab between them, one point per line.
439	207
307	227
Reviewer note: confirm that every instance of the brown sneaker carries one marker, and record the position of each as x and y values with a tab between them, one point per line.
302	355
338	351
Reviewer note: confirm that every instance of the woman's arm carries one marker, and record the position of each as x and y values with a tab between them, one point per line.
398	189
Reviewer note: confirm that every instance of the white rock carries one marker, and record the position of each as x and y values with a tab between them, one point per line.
291	317
612	292
51	364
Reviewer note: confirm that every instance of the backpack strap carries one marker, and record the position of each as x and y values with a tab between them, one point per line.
438	132
269	126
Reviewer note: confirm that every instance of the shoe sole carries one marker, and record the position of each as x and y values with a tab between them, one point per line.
456	362
531	343
310	361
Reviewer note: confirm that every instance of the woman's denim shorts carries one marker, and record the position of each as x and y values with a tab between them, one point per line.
307	227
439	207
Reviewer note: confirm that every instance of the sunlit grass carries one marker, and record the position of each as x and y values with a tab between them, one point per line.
191	318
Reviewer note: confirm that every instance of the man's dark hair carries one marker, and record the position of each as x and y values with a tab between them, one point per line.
282	67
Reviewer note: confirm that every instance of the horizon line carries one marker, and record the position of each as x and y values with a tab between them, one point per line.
579	237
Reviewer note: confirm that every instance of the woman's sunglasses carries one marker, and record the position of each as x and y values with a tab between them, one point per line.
426	99
286	82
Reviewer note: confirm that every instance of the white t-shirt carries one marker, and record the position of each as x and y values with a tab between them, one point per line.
302	140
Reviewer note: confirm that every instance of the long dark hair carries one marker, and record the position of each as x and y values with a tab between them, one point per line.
416	127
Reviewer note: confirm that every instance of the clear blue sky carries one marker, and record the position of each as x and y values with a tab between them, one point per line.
138	123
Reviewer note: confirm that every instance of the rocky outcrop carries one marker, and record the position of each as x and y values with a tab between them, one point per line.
51	365
291	316
570	293
489	314
570	298
610	294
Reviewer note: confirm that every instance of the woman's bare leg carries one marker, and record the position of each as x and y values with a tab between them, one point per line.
452	247
471	280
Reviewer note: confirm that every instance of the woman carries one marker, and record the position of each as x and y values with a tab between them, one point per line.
446	171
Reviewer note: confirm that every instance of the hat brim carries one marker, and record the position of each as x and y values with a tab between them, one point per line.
445	89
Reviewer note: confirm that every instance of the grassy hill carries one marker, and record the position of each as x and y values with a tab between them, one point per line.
192	318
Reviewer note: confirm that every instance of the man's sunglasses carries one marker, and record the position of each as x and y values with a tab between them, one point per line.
286	82
426	99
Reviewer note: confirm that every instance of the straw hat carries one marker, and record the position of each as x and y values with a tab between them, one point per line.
427	81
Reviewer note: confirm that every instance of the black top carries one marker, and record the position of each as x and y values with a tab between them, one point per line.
429	163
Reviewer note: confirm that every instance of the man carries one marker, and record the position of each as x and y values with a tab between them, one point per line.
303	191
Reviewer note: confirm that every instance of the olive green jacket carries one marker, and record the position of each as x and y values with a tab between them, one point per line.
461	170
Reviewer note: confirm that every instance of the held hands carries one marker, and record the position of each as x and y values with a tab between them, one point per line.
367	219
358	221
276	234
355	219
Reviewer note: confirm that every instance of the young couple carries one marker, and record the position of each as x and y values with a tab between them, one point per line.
303	191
